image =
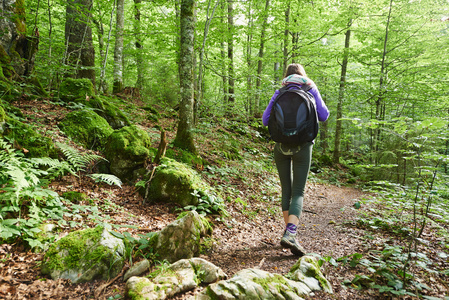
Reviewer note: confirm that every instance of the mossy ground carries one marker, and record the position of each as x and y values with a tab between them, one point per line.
25	137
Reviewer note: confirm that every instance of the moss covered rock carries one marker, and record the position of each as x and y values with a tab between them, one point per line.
26	138
308	271
72	89
177	183
87	128
112	114
85	255
127	149
181	238
181	276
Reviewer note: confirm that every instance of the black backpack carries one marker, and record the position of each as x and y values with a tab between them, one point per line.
293	118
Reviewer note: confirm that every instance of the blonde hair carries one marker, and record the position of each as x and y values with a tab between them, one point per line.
295	69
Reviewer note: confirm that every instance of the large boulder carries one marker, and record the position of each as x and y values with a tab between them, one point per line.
87	128
85	255
76	89
127	149
111	113
181	238
181	276
177	183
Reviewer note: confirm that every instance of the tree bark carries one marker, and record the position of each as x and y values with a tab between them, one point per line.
231	95
380	105
341	94
17	51
139	47
78	35
184	136
286	35
260	59
249	78
118	50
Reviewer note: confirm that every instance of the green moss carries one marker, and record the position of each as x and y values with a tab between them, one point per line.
75	243
72	89
20	16
113	115
274	281
128	141
185	157
75	197
175	181
135	294
24	136
87	128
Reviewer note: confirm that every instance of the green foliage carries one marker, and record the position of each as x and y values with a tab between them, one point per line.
25	204
140	246
207	204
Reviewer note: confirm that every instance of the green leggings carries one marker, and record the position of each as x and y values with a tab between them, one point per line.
296	159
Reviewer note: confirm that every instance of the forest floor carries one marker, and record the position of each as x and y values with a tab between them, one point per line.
249	237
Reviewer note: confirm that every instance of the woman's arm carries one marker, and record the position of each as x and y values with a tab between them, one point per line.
321	108
266	113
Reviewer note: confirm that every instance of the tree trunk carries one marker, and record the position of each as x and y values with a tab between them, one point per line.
260	60
118	50
231	96
17	51
203	47
249	78
380	98
78	35
286	35
139	47
184	136
341	94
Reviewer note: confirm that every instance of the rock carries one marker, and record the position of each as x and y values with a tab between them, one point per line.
304	278
182	276
112	114
176	182
84	255
181	238
127	149
87	128
137	269
308	271
255	284
76	89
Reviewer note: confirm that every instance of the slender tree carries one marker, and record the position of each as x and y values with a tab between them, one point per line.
184	136
231	83
118	50
139	44
341	95
260	58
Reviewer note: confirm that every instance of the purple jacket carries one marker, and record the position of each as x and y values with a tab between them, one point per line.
321	108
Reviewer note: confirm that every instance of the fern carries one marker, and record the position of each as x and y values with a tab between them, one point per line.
106	178
79	161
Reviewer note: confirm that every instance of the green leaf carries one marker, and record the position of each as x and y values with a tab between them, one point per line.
357	205
117	234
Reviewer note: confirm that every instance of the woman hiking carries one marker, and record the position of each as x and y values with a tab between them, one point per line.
293	161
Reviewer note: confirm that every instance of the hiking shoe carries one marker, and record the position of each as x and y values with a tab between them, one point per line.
288	240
